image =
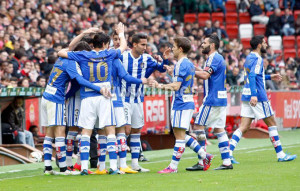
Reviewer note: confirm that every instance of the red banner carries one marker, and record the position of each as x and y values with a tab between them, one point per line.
155	113
286	106
32	112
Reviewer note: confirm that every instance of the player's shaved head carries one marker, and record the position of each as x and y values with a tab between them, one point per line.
184	43
100	39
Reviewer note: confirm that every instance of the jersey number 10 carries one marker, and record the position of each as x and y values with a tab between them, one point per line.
98	71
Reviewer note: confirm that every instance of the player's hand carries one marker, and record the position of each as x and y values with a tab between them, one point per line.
168	68
158	58
120	28
153	83
91	30
253	101
166	54
276	77
144	80
105	92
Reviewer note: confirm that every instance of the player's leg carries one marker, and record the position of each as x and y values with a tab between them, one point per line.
87	120
101	149
72	113
247	114
263	110
70	139
59	133
137	123
274	137
204	159
47	149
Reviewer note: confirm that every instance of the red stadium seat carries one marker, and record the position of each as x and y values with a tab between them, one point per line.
299	52
244	18
289	53
246	43
202	17
230	6
298	42
190	18
232	31
296	13
217	17
269	13
231	18
281	6
259	29
289	42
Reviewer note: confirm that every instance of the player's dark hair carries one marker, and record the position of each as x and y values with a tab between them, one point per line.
87	39
114	33
184	43
82	45
214	39
136	38
100	39
256	40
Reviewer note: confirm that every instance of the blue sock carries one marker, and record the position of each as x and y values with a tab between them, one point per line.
194	145
135	144
122	149
224	147
178	151
112	152
274	137
47	149
84	151
235	140
61	152
102	142
70	146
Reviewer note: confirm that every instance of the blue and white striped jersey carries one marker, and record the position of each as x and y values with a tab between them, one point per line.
136	67
254	65
184	72
215	93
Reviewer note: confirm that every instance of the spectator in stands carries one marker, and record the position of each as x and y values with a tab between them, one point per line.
274	24
243	5
24	83
269	69
208	30
256	13
271	5
288	23
190	5
8	70
222	34
218	4
232	76
13	115
204	6
297	22
17	61
177	5
34	130
13	82
41	81
291	3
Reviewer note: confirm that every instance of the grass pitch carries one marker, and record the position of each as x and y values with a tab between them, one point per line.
258	170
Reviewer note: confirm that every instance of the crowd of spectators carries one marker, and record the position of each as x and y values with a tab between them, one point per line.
32	31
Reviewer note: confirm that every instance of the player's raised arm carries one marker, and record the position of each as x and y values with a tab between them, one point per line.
79	37
120	31
63	53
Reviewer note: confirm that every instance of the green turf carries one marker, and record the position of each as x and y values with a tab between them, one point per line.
259	170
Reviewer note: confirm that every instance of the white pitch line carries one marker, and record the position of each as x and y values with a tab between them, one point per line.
18	177
269	149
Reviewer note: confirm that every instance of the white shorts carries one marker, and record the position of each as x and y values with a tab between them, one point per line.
52	114
134	114
120	116
93	108
181	118
73	109
260	111
211	116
